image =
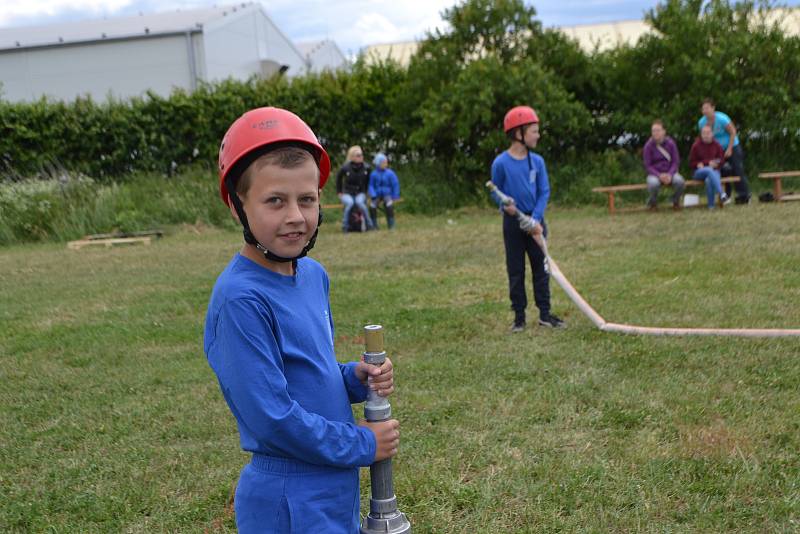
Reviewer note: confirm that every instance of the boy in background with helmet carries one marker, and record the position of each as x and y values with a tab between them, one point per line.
269	339
521	174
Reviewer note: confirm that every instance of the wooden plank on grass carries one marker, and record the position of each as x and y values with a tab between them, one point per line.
79	244
114	235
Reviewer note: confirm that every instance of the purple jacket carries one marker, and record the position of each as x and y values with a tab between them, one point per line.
654	161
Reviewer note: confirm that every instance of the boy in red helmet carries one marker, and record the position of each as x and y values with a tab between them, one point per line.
521	174
269	339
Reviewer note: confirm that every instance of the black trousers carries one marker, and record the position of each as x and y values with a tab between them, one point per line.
518	245
734	166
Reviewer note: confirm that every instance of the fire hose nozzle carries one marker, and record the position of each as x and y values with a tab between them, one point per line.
383	517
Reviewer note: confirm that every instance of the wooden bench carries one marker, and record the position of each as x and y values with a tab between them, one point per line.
777	186
612	190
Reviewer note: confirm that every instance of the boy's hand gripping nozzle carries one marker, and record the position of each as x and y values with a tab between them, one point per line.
526	222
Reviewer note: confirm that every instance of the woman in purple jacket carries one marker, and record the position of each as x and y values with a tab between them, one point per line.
661	160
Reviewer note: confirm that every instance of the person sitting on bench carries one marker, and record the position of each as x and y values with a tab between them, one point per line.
705	159
351	186
661	161
383	187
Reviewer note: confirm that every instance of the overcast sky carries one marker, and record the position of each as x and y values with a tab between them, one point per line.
351	23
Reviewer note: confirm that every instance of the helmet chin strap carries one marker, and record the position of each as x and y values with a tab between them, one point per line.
251	239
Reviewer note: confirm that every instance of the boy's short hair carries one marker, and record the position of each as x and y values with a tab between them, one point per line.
709	101
285	157
522	128
657	121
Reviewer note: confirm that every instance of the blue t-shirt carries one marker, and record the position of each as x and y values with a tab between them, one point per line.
269	339
722	136
525	180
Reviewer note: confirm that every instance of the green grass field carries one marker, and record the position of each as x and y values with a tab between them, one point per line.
111	420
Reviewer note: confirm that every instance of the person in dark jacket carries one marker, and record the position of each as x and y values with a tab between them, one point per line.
351	186
705	159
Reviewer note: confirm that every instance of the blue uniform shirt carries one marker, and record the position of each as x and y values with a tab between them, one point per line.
269	339
525	180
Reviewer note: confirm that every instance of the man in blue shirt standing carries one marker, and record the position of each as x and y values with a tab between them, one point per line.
521	174
725	133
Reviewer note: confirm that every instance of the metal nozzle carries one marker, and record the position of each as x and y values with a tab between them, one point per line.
384	517
373	334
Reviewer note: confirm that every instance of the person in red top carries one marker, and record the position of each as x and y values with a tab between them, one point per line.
706	158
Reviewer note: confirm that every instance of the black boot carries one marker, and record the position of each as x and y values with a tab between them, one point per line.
390	216
373	213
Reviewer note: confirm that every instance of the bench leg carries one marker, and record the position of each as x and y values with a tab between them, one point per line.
611	208
778	190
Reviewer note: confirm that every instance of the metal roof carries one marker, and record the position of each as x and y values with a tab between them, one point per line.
142	25
309	47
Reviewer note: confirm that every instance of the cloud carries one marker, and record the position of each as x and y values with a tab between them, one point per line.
32	10
376	28
354	24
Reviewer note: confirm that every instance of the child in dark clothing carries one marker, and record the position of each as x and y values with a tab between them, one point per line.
521	174
269	339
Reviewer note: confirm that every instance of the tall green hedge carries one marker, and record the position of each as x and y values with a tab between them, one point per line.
110	139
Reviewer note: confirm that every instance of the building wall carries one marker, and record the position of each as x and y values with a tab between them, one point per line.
122	68
400	52
235	46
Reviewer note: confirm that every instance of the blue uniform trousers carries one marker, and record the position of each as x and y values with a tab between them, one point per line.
518	245
285	496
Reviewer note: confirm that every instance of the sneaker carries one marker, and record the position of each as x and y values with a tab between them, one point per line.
551	321
676	206
652	207
518	326
724	199
743	200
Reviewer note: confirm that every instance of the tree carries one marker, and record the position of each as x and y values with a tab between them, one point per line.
462	81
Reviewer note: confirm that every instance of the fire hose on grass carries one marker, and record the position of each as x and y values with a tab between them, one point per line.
527	224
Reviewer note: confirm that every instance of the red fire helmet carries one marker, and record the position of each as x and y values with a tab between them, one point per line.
519	116
265	126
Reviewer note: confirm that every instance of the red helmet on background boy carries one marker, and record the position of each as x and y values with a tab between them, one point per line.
251	136
257	132
519	116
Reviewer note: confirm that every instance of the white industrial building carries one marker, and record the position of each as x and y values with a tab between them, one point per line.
126	56
322	55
